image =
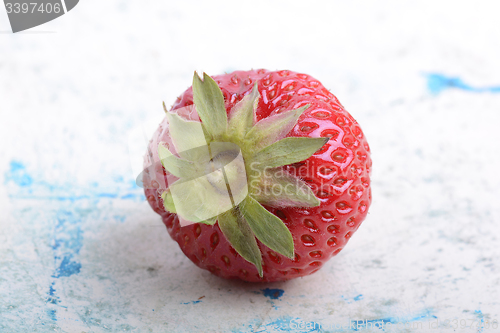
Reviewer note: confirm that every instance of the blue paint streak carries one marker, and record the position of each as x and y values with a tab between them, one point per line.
73	198
358	298
273	293
107	195
192	302
31	188
436	83
67	244
425	315
382	323
68	239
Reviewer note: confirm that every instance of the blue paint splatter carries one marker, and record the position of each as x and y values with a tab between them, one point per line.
436	83
349	300
68	267
52	314
68	233
480	316
273	293
18	174
52	299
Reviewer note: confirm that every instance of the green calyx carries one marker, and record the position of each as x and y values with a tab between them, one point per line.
229	166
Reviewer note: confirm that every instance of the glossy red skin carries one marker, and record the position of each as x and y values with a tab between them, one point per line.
339	174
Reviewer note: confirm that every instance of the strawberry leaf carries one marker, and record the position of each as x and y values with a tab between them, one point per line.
268	228
242	116
197	200
209	103
221	187
274	128
186	135
168	202
281	189
176	166
287	151
210	221
237	231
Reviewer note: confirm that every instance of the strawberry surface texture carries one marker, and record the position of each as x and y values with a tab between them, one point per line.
336	173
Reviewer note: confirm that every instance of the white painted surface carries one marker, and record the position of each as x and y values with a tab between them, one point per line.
81	251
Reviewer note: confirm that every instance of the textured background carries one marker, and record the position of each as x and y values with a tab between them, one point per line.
80	249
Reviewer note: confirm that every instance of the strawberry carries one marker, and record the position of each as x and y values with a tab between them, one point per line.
261	176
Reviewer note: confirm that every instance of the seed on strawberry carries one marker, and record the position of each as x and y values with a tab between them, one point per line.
259	175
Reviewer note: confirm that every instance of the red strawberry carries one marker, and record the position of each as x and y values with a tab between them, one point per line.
264	131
